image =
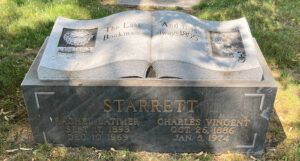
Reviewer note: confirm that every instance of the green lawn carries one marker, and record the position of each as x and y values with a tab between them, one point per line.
24	24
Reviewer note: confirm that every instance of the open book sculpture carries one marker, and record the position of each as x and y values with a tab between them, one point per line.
175	44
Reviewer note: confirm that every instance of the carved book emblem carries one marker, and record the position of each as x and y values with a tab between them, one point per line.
77	40
228	44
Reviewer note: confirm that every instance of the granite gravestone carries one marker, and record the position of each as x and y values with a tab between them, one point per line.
90	85
160	3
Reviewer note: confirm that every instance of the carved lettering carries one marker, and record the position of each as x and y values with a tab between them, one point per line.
180	105
167	106
155	106
107	105
143	106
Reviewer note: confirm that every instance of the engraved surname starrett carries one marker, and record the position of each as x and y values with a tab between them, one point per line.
155	105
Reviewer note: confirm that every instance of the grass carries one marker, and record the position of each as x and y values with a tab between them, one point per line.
24	24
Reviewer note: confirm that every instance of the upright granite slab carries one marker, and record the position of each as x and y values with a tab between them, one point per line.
160	115
160	3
